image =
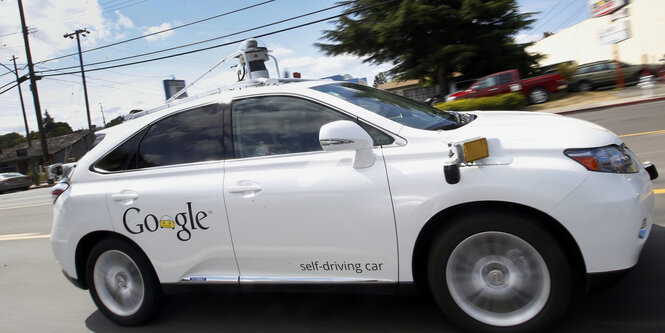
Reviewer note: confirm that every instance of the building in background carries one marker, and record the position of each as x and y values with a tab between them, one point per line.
627	31
62	149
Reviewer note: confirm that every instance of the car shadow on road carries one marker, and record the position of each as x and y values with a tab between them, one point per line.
635	303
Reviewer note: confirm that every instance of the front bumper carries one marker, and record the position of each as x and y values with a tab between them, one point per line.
610	217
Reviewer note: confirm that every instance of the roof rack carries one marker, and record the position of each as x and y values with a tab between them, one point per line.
260	82
251	57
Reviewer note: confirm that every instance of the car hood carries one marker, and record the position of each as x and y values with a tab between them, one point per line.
526	133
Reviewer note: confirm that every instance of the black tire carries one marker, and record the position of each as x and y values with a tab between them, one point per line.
498	272
584	86
123	283
538	95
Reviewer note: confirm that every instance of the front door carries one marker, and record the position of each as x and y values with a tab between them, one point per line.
297	213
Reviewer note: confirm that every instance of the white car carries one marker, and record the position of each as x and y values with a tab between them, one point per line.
501	216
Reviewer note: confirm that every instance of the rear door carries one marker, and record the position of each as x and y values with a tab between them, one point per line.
168	196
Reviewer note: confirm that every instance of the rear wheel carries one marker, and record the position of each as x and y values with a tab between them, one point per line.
538	95
122	282
584	86
499	272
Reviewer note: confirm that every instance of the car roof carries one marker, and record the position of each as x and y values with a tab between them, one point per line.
234	90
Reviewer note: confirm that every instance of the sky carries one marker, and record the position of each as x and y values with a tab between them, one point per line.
119	90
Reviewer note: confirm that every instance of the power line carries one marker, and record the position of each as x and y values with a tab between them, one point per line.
95	84
541	21
72	17
8	89
159	32
573	17
553	17
206	40
6	84
94	78
229	43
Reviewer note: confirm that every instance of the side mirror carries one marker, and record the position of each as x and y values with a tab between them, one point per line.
346	135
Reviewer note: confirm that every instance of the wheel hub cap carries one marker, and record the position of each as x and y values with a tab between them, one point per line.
118	283
121	280
498	278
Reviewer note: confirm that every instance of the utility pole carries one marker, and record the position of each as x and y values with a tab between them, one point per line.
33	87
77	33
25	121
103	118
20	95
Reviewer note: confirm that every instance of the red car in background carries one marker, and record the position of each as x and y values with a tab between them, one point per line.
536	89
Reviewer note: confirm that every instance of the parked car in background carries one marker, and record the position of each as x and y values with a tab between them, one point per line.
13	181
536	89
604	74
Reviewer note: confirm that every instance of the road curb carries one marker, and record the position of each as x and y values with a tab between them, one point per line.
598	107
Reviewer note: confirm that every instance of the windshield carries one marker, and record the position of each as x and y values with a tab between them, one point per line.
396	108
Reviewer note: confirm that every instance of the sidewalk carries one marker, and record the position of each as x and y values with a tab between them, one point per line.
587	101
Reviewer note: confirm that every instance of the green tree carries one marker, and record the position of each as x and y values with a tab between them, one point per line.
380	78
116	121
566	70
10	140
53	128
433	38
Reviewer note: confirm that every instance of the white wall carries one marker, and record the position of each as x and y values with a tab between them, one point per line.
581	42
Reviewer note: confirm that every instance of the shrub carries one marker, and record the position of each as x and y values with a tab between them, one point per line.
566	70
511	101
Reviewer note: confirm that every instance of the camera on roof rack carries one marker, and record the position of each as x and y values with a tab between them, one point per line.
252	57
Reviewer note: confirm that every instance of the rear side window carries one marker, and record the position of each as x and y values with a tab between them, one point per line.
116	160
186	137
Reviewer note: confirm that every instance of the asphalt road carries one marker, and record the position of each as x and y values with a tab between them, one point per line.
35	297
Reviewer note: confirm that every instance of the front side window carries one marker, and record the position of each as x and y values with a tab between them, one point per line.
487	82
278	125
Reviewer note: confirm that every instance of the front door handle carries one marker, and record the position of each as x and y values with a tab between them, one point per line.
125	196
245	188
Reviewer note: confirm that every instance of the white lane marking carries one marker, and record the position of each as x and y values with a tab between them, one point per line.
26	206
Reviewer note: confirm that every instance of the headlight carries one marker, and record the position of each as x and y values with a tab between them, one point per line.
612	159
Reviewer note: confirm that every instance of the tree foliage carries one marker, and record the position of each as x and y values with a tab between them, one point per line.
10	140
116	121
380	78
433	38
53	128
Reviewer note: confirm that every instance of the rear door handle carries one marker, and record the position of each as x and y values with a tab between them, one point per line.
245	188
125	196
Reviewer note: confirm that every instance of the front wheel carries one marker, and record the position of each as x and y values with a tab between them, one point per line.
499	272
122	282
